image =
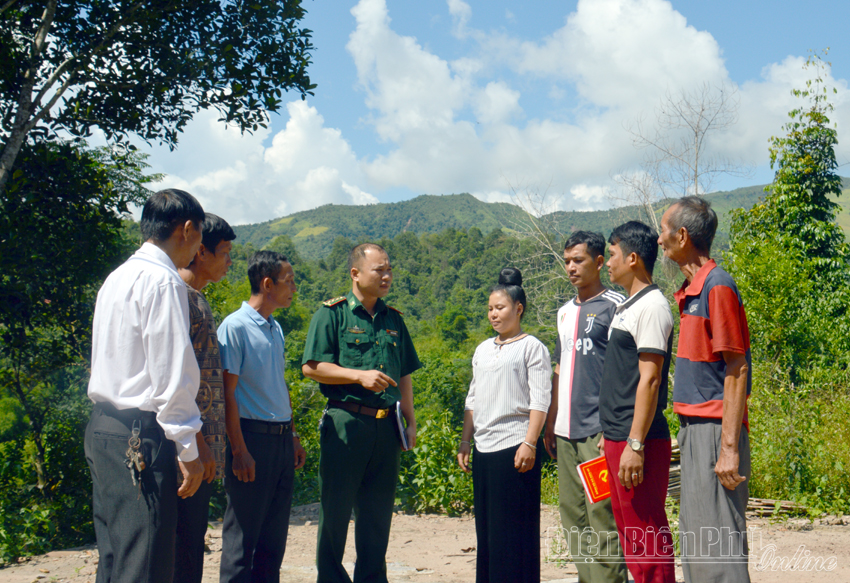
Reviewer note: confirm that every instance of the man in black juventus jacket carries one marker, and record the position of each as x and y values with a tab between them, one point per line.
572	425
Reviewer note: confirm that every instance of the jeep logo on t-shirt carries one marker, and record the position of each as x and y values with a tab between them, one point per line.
581	346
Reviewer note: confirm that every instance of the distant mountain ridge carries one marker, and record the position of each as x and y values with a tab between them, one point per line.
313	231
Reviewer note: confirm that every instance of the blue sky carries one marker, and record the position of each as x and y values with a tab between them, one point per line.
496	100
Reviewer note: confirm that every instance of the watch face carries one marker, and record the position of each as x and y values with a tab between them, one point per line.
634	444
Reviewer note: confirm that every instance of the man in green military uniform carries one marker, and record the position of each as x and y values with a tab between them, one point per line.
359	351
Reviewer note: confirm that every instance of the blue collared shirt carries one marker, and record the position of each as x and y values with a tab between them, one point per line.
252	347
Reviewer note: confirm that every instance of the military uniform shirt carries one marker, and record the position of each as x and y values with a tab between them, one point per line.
342	332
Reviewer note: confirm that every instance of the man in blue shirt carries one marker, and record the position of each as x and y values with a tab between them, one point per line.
263	449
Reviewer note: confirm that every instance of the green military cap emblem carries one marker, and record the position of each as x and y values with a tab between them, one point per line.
334	301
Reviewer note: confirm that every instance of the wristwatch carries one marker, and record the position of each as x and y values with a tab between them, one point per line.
634	444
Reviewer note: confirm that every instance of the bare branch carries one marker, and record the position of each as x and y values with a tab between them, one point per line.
6	5
677	159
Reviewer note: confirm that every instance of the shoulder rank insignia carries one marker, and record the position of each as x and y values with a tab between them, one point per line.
334	301
396	310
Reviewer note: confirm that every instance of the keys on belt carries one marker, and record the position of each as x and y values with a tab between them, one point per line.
361	409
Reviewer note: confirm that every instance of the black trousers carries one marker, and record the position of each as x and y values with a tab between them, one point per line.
134	525
507	518
256	521
192	518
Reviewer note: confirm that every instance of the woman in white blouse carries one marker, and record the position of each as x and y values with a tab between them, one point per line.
506	408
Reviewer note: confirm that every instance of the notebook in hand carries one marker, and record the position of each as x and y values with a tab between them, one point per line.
594	478
401	425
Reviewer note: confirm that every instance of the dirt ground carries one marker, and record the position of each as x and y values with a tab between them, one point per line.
438	548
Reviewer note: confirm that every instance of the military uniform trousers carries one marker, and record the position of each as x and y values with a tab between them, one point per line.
134	525
358	470
597	557
256	522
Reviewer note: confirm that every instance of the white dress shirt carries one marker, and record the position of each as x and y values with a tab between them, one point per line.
142	354
508	381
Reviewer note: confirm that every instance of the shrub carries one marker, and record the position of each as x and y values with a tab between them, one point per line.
430	480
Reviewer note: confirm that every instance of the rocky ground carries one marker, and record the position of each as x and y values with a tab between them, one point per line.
438	548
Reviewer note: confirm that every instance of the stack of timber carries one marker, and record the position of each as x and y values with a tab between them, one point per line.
674	486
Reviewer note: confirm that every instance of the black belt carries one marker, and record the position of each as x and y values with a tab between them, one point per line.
685	420
147	419
361	409
269	427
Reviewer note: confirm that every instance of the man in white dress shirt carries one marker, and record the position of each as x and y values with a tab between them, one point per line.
144	379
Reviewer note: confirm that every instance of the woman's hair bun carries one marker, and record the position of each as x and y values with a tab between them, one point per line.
510	276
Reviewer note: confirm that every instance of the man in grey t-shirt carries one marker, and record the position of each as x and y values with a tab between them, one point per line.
572	426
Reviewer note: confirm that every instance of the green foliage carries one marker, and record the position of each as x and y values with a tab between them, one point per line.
105	66
549	493
789	259
314	231
61	219
788	254
799	204
799	438
432	481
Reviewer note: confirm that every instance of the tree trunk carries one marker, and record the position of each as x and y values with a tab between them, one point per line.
11	149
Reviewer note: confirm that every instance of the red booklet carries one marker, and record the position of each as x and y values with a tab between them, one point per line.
594	477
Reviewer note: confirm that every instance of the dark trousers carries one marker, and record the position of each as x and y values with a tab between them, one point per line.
192	517
358	470
256	521
712	519
639	511
507	518
134	525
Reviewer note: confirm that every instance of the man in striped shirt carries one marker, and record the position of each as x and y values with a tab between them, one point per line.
710	392
572	425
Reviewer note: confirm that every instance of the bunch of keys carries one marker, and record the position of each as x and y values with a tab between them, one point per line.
135	461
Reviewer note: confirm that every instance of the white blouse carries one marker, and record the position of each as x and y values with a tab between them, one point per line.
508	381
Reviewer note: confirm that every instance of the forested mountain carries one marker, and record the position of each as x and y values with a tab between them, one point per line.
313	231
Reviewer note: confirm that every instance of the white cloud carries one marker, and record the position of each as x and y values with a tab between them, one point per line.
497	103
244	180
461	13
503	115
591	197
409	88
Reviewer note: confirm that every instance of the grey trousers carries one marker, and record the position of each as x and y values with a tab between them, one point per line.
134	525
712	519
597	556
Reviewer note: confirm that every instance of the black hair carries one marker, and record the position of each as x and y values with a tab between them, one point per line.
595	242
263	264
167	209
510	282
636	237
359	252
215	231
698	218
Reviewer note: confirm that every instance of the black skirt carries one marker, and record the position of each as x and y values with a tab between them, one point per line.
507	518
